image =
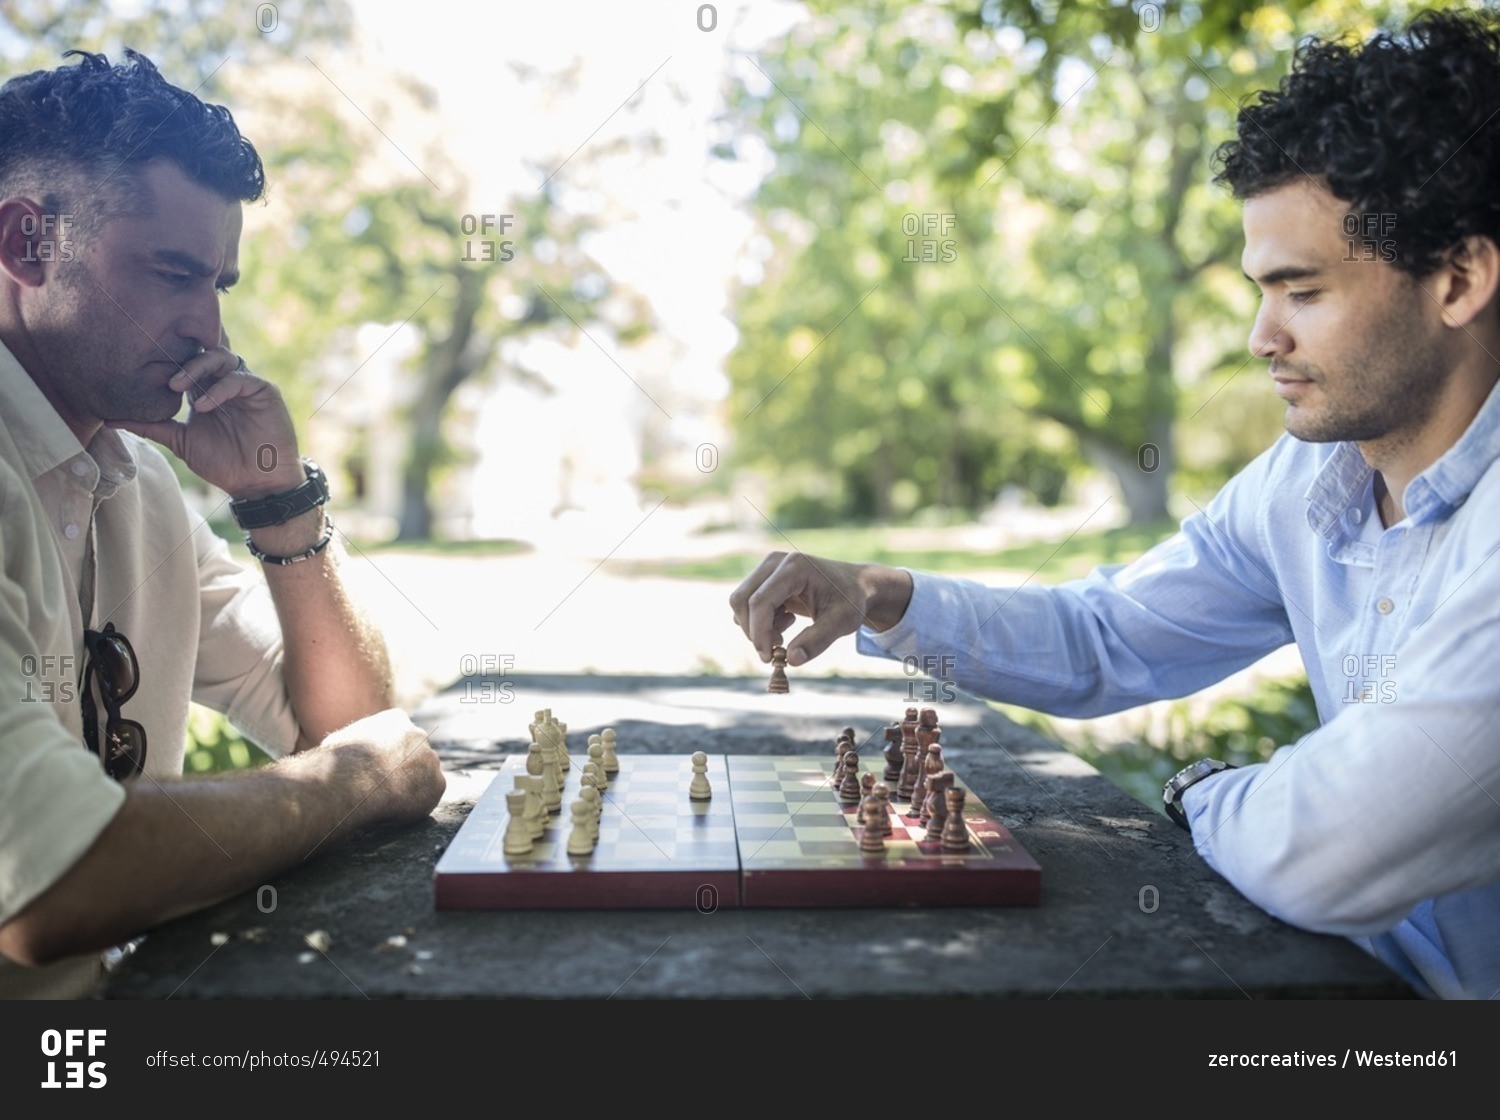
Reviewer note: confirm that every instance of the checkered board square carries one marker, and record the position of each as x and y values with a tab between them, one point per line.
799	846
656	847
774	834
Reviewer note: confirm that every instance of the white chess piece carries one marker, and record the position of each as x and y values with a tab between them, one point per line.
590	797
517	828
607	741
581	840
536	808
698	788
536	764
596	756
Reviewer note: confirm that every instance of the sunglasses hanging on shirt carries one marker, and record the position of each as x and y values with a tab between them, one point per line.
113	666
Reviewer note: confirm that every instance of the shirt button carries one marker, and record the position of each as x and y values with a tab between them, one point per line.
1385	606
1356	516
80	468
70	530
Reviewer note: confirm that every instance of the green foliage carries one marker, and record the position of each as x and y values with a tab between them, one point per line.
1087	286
1241	730
214	745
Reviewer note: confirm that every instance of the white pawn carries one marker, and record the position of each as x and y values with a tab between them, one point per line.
581	839
589	796
517	829
593	774
698	788
596	759
607	740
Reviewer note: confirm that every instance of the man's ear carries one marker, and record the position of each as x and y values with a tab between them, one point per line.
1467	281
27	240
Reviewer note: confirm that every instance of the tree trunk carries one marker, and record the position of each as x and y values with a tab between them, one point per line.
445	366
1141	473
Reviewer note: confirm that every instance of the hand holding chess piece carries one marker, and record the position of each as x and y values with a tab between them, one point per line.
779	682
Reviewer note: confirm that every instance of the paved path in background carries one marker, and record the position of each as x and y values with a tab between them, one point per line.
564	610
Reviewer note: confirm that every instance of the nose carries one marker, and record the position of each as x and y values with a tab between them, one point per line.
202	322
1268	334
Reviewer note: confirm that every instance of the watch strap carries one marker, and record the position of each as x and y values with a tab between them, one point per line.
276	509
1184	780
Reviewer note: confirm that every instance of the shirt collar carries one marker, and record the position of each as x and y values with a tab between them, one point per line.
1342	482
1447	484
45	441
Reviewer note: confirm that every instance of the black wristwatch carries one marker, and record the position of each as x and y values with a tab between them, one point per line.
1171	794
258	513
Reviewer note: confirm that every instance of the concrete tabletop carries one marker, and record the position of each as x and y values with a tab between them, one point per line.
1128	910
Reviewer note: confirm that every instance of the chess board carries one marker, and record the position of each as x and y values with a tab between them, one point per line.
773	834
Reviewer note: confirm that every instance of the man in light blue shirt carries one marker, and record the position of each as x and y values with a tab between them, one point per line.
1366	534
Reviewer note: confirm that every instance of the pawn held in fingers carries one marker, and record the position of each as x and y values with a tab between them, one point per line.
739	602
826	592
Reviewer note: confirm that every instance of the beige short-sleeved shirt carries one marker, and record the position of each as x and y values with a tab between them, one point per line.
203	629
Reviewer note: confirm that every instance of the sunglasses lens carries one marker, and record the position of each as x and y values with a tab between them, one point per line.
116	666
127	748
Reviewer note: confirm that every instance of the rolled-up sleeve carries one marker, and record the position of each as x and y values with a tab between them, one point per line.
55	798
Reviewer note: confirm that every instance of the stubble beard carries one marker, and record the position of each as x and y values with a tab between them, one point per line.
1384	394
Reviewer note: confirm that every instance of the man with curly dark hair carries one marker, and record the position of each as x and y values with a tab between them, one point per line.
120	214
1366	534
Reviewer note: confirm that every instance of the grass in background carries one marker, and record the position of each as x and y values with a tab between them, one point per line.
1049	561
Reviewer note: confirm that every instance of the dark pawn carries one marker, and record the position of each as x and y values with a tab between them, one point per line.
849	788
955	829
842	747
936	809
931	767
871	835
778	682
883	795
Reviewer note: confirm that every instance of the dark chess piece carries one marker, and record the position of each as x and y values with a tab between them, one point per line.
883	793
841	748
849	792
908	760
778	682
955	828
936	809
893	753
871	834
932	765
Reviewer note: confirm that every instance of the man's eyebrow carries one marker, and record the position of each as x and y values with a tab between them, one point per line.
189	263
1282	275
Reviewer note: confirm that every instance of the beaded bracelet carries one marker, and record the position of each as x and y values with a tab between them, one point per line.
267	558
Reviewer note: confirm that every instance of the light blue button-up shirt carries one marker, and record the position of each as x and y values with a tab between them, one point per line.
1383	824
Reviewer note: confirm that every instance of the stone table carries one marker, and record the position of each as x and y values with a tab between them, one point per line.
1128	910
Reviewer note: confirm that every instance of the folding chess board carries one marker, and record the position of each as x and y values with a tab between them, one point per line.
773	834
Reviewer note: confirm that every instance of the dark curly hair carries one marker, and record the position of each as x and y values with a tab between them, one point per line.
1405	125
74	139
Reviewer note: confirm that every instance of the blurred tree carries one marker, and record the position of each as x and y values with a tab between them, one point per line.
362	234
1093	268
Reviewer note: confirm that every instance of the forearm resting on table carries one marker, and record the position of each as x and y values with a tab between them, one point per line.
337	667
176	847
